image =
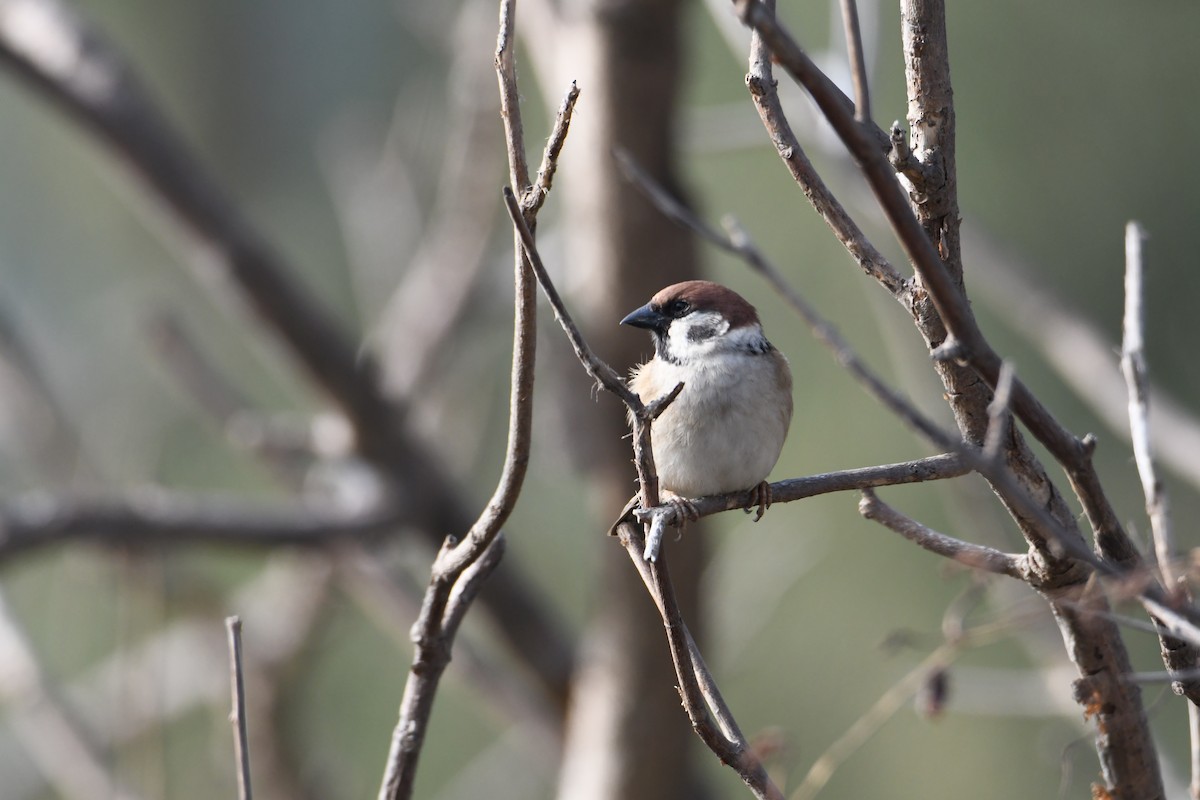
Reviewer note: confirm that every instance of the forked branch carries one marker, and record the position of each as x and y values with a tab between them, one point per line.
706	709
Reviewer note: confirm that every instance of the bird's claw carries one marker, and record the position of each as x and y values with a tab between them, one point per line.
675	511
759	496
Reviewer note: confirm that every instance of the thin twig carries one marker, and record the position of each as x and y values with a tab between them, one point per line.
1133	365
604	375
972	555
890	702
999	418
1053	539
554	145
966	341
510	97
1081	353
1122	735
237	717
858	60
1180	657
460	567
101	91
702	699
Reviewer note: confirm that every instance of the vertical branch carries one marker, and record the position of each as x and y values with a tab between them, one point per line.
1179	657
858	60
761	83
929	237
698	691
510	97
461	566
241	747
1133	365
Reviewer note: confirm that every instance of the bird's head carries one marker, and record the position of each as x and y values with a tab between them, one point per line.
694	320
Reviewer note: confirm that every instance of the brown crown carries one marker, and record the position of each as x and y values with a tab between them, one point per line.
709	296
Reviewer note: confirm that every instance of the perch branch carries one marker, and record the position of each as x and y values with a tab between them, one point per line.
697	689
933	468
1053	538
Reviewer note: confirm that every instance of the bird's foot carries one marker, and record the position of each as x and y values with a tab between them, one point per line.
758	496
673	510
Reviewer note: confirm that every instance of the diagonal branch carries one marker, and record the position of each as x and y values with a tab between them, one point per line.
972	555
1123	738
66	60
966	341
697	688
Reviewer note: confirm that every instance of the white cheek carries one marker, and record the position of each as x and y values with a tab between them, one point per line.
697	334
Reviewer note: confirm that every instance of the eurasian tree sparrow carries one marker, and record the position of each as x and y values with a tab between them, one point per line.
725	430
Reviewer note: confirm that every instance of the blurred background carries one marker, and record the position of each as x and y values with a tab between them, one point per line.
364	140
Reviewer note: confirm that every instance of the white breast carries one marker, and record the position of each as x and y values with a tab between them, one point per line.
726	429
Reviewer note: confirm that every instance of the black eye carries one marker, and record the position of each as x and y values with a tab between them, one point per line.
677	308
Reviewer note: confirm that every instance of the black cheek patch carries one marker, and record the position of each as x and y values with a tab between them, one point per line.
699	333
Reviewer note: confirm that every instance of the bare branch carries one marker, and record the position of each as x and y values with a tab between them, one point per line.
604	375
722	737
100	91
1180	657
1052	540
999	420
241	745
702	700
858	61
554	145
871	721
933	468
1082	355
1133	365
460	567
1048	530
966	342
433	636
153	517
975	556
510	97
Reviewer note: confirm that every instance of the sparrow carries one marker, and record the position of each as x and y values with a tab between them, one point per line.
725	430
